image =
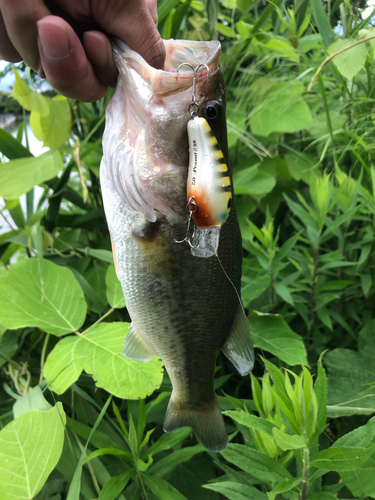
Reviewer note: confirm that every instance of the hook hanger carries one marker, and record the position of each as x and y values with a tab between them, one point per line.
193	107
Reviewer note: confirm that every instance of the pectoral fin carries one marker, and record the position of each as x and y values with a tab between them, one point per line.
239	346
136	348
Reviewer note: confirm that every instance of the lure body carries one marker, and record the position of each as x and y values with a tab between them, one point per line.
208	187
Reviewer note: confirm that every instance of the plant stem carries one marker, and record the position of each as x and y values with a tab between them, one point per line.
312	300
329	59
43	357
272	291
305	473
110	311
89	465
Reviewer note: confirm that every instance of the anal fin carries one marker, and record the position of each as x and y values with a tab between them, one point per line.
239	346
136	348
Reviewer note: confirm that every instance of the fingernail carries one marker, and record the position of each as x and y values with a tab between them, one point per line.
54	40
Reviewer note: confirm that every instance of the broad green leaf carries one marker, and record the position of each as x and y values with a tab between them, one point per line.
161	488
30	447
28	98
253	181
54	128
271	333
281	110
360	482
256	463
300	166
283	47
251	421
32	400
351	380
236	491
342	458
59	308
98	352
115	295
225	30
350	62
95	276
19	176
287	442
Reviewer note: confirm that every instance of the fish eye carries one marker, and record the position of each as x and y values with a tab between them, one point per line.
212	111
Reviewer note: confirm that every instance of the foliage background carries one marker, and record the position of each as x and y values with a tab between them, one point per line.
77	419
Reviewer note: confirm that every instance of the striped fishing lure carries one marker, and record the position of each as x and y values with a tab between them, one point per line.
209	189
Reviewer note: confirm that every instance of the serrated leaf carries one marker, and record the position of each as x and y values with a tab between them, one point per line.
19	176
271	333
115	295
256	463
251	421
286	442
59	308
342	458
236	491
30	447
351	386
98	352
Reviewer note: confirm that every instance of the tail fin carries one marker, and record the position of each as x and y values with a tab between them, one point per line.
205	419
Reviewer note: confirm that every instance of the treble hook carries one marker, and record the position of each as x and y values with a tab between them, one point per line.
188	239
193	107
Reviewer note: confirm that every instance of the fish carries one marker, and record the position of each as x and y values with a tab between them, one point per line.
184	308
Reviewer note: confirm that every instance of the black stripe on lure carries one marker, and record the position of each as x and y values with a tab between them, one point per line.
209	189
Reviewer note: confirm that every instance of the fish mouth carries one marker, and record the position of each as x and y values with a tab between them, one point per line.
170	80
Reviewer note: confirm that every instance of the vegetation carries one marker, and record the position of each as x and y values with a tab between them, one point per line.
80	421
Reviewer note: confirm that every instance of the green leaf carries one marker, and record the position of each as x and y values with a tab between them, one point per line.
168	441
112	488
253	182
286	442
342	458
61	309
351	380
281	110
236	491
19	176
30	447
251	421
32	400
282	47
168	463
361	482
28	98
256	463
98	352
8	344
225	30
54	128
271	333
115	294
322	22
11	147
350	62
161	488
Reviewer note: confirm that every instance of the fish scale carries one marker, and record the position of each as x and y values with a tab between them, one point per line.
183	308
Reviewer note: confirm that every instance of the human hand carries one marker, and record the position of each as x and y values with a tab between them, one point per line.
78	68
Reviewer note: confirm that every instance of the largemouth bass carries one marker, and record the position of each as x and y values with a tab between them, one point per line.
183	308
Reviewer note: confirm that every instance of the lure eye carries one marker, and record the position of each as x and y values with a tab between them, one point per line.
212	111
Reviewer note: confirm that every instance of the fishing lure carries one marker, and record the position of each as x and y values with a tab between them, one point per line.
209	188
